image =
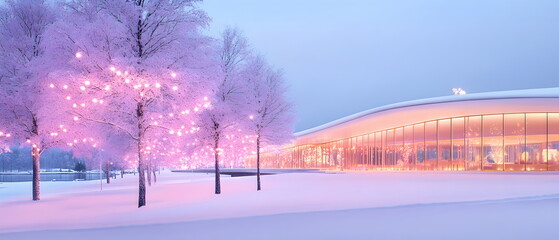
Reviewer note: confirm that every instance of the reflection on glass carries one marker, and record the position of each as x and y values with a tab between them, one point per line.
458	144
515	141
444	142
536	140
511	142
473	143
493	152
431	145
553	142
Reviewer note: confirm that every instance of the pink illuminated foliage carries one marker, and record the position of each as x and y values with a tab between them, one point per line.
28	113
140	67
222	117
270	115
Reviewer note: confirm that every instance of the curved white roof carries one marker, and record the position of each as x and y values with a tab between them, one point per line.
514	94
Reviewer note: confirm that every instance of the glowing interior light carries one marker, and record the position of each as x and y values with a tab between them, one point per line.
76	118
175	88
78	55
51	85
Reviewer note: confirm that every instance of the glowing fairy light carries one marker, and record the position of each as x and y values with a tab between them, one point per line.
175	88
157	85
75	105
172	132
146	85
68	98
87	83
76	118
82	88
196	109
205	98
118	73
251	117
112	69
95	100
79	55
127	80
107	88
174	75
51	85
65	87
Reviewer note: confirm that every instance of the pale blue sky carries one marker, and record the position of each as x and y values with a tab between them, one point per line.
342	57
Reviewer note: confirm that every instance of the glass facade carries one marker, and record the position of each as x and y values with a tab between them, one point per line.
495	142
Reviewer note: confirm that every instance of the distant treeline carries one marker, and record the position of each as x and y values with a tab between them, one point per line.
19	159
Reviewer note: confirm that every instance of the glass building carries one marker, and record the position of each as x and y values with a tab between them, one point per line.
499	131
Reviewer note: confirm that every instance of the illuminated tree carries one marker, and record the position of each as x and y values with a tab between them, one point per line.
27	112
227	105
270	116
136	66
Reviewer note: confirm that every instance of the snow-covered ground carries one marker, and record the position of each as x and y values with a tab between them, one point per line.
358	205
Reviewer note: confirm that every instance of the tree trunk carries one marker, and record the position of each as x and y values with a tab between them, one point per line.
154	177
148	171
217	176
258	164
141	167
108	172
36	174
121	173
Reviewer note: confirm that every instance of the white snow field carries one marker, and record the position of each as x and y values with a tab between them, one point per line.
349	205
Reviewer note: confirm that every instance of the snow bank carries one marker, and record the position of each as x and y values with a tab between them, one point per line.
414	203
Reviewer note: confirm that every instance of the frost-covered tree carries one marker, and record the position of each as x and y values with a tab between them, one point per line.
27	112
136	66
270	115
227	104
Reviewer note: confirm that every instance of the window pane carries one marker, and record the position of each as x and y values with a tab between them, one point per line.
536	140
419	142
409	153
389	153
514	142
431	145
458	148
473	143
398	148
444	145
553	138
493	142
